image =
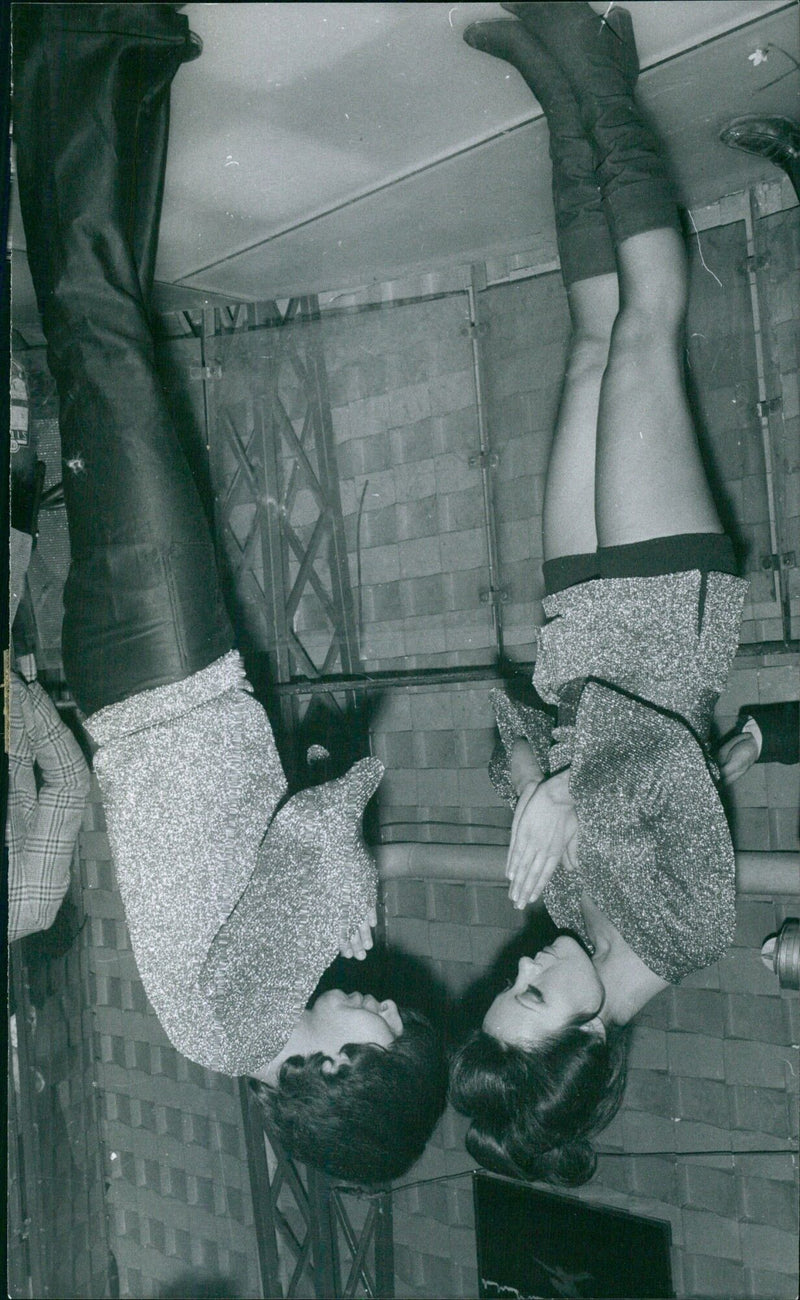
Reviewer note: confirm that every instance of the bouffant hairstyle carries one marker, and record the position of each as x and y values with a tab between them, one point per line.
369	1121
533	1109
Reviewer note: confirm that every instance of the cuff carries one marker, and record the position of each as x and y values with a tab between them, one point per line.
752	727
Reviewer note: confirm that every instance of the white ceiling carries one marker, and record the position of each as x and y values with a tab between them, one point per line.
325	146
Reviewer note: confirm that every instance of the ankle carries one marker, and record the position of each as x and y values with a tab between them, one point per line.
509	40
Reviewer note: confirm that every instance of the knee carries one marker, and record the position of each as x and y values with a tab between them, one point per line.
653	282
588	352
642	327
653	305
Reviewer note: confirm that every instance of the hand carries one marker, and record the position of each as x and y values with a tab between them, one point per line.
737	756
544	831
355	941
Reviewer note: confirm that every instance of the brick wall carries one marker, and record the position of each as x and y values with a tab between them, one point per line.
403	400
435	742
524	369
713	1072
175	1171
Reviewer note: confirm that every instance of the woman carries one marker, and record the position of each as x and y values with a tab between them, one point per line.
617	824
236	902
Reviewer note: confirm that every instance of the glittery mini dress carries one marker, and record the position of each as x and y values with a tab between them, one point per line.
233	911
651	655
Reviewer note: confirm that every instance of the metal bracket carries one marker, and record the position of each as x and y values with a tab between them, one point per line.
493	595
474	331
213	371
771	404
484	459
755	262
775	562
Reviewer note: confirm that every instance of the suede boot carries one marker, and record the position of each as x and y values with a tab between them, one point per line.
597	54
585	248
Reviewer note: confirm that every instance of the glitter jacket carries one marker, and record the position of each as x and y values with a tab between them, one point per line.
233	912
654	849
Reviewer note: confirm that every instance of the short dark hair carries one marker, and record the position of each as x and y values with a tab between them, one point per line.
533	1109
370	1120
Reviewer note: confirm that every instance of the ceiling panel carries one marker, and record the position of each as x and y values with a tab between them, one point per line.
494	194
322	146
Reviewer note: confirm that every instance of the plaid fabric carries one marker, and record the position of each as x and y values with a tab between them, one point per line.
44	814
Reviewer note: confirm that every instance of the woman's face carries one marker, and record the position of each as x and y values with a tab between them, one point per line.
552	990
338	1018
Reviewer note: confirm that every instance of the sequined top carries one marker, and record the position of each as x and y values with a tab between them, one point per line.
191	778
642	635
654	849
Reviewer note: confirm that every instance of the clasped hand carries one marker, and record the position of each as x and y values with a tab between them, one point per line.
544	832
355	940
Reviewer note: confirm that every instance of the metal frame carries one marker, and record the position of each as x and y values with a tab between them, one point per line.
261	456
305	1225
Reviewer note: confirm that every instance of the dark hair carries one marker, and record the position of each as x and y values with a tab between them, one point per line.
534	1109
369	1121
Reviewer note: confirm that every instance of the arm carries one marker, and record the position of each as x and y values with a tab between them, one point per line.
544	832
39	867
740	751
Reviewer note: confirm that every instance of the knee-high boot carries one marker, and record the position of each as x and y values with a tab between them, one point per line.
584	242
142	602
598	55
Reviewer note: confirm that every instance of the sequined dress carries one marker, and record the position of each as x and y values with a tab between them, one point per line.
654	850
233	914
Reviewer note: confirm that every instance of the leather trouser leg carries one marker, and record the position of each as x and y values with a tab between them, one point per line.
142	603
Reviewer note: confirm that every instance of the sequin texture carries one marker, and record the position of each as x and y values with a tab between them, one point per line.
654	850
191	778
642	635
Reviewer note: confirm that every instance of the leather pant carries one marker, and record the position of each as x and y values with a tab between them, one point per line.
142	602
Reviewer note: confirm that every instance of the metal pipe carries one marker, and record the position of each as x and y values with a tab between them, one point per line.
486	461
381	681
756	873
763	404
456	862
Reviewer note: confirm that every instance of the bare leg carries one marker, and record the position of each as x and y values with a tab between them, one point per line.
568	524
589	270
650	480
